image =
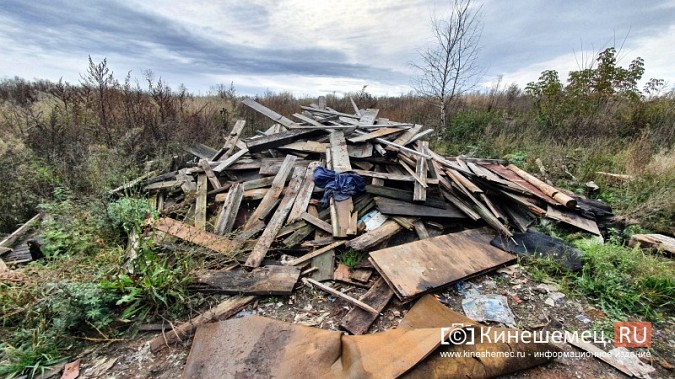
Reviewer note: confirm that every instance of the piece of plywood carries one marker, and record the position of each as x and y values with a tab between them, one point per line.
574	219
325	264
418	267
396	207
268	280
358	321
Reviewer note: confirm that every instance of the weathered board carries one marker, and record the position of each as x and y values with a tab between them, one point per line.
194	235
358	321
573	219
418	267
396	207
268	280
266	204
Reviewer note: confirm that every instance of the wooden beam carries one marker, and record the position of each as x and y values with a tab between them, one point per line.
268	280
553	192
274	193
358	321
304	195
15	235
279	139
404	138
269	234
373	237
319	223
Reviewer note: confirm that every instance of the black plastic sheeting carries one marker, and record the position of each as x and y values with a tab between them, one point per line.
534	243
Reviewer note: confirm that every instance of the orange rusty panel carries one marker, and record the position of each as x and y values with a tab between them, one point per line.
415	268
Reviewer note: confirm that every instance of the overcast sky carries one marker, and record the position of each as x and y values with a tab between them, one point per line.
317	47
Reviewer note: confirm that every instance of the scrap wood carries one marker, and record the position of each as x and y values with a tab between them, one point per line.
574	219
396	207
265	206
315	253
341	295
194	235
654	241
15	235
375	236
268	280
553	192
414	268
305	194
277	220
358	321
230	141
280	349
224	310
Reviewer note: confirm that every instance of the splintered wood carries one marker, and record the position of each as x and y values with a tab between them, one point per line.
255	200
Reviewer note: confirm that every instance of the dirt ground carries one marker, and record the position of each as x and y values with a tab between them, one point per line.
526	298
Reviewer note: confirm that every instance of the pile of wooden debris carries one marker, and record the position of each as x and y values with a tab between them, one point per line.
256	201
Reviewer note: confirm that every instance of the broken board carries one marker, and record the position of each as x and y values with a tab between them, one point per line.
415	268
395	207
268	280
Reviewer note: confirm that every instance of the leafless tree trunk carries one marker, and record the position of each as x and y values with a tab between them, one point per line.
449	67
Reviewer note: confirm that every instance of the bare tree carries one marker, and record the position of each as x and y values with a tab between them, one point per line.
449	67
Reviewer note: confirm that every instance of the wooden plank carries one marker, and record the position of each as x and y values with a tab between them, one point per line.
255	145
517	180
405	137
169	184
258	183
397	207
277	221
223	311
657	242
356	108
421	168
200	202
368	116
315	253
308	120
374	237
230	161
403	195
274	116
358	321
341	295
228	212
213	179
389	176
274	192
133	183
341	215
325	265
317	222
573	219
268	280
20	231
374	134
360	150
551	191
200	151
361	275
230	141
307	146
418	267
338	150
305	194
193	235
421	230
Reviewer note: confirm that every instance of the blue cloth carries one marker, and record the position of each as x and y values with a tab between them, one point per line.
340	186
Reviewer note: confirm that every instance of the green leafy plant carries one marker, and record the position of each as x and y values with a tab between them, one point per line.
350	258
128	213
